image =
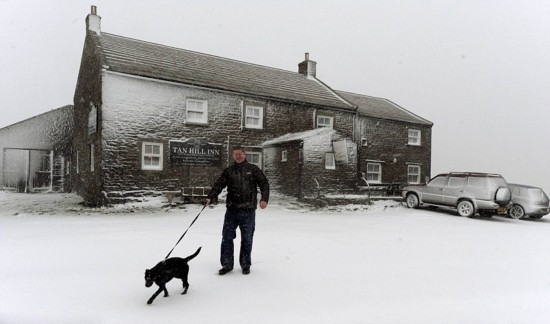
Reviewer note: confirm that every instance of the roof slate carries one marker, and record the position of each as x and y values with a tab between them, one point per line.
382	108
140	58
135	57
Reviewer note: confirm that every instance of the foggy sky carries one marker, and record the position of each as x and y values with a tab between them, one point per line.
479	70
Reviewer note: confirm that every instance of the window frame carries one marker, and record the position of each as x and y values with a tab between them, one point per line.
249	156
160	155
379	172
203	110
92	158
418	175
330	119
415	138
330	161
260	118
284	156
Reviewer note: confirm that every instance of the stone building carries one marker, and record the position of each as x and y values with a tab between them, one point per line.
150	117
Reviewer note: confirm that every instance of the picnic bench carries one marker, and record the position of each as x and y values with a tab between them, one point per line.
188	194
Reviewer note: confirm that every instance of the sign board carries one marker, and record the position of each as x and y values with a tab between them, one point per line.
195	151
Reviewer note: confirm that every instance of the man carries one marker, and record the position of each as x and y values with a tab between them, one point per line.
242	180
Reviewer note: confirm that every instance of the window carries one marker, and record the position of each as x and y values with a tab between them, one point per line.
438	182
151	156
92	167
324	121
254	117
330	163
197	111
456	182
284	156
364	141
92	119
254	158
374	172
414	137
413	174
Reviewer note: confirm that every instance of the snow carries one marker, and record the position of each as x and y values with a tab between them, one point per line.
383	263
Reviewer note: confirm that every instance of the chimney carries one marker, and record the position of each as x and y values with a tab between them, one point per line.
307	67
93	21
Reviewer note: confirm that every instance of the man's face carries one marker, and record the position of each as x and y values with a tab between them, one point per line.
239	156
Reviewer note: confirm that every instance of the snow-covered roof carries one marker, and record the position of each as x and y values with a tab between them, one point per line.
299	136
136	57
382	108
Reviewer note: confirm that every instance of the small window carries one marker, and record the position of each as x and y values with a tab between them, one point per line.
374	172
456	182
477	182
254	158
438	182
414	137
284	156
197	111
254	117
364	142
414	174
151	156
92	167
325	121
330	163
92	120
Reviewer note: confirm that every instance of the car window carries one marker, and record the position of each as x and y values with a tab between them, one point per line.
515	191
535	193
476	182
437	182
456	182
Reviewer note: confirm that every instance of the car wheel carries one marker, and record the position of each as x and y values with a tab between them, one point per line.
412	201
465	208
516	212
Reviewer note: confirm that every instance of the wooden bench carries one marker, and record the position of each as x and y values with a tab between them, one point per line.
194	194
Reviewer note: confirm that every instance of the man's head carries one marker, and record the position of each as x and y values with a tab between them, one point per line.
239	155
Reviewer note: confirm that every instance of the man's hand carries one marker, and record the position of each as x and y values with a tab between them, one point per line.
263	204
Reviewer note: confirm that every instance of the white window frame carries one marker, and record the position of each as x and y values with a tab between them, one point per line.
250	117
330	161
411	174
378	173
250	156
192	107
321	121
414	137
159	155
364	141
92	156
284	156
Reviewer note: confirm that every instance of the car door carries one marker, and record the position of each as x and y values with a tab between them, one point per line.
453	190
432	193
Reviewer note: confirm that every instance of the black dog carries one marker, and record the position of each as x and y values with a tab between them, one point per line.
167	270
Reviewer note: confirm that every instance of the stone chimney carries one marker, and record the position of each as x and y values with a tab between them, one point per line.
93	21
307	67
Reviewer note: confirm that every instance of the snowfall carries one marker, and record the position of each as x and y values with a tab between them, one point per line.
61	262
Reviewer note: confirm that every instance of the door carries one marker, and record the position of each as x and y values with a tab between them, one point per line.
432	193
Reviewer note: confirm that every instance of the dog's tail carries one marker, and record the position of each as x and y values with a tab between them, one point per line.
192	256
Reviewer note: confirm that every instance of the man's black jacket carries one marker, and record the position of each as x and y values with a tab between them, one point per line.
242	181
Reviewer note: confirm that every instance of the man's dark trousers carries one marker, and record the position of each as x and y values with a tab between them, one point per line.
245	219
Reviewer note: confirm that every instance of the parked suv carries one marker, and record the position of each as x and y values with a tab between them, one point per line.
468	192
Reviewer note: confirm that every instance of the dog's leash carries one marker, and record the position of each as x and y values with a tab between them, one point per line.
193	222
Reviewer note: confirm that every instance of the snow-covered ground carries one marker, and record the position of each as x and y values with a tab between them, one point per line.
63	263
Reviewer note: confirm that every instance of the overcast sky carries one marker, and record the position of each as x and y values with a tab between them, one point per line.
479	70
